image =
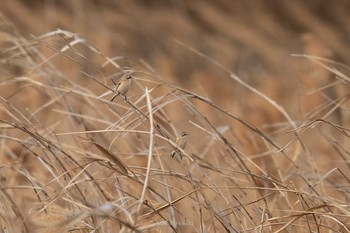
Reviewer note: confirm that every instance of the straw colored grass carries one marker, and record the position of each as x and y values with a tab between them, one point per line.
72	161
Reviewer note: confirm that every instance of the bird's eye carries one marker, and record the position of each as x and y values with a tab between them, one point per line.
129	77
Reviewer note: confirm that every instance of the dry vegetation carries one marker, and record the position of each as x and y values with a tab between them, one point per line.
265	154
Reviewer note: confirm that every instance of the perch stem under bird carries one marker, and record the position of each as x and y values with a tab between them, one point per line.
123	87
180	141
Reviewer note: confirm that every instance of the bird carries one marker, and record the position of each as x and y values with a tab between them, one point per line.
123	87
180	141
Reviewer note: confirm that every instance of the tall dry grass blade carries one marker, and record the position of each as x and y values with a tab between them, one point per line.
163	207
150	153
112	157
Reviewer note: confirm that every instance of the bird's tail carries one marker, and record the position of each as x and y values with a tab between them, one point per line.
115	96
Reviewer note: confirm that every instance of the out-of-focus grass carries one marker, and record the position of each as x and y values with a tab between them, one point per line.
72	161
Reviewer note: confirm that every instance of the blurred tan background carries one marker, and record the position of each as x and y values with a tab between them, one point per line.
253	39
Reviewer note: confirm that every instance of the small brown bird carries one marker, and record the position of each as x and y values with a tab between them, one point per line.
123	87
181	141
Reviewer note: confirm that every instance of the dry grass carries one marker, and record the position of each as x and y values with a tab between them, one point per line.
72	161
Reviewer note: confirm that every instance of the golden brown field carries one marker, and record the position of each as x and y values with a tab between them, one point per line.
260	87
